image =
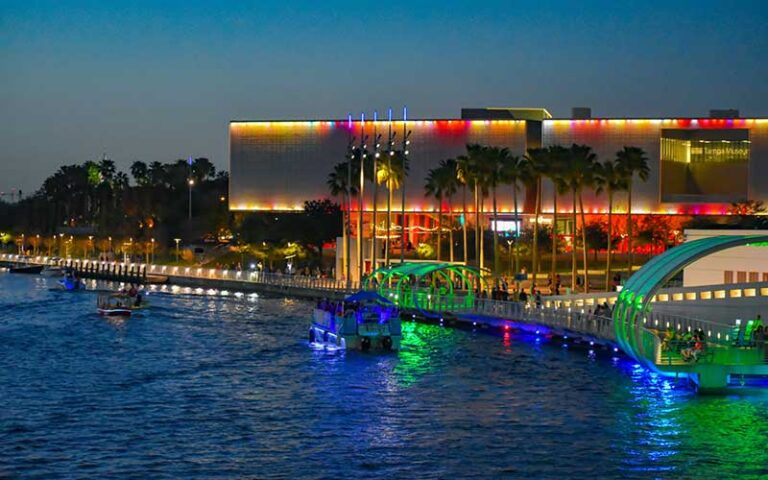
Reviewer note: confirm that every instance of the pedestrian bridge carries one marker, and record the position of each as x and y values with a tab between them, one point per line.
726	350
660	341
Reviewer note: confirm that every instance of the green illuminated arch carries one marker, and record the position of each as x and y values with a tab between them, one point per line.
427	286
633	303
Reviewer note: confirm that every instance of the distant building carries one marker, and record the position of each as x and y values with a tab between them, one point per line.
699	166
746	264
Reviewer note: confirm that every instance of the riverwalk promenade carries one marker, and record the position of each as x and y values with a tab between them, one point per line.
578	320
635	321
565	314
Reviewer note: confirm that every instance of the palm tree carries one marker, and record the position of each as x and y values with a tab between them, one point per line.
435	187
449	166
392	174
496	158
589	180
631	161
556	172
140	173
338	185
471	172
610	180
583	175
537	160
514	171
572	176
464	179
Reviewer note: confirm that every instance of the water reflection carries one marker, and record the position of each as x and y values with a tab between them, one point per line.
230	383
669	428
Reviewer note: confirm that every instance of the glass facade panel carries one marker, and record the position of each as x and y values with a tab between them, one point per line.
704	165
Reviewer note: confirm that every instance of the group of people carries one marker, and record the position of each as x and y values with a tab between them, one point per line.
690	345
554	285
523	297
603	310
337	308
133	292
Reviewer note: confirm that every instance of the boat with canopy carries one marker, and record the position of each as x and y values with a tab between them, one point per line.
362	321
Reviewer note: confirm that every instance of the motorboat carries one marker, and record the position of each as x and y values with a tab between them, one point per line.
114	305
363	321
28	269
71	283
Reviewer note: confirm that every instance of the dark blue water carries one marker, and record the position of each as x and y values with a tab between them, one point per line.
224	387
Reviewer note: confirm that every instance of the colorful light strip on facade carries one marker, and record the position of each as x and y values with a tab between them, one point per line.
437	139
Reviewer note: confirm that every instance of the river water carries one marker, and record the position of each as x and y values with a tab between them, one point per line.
206	386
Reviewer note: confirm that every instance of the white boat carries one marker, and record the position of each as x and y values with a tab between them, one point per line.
113	306
119	305
53	271
363	321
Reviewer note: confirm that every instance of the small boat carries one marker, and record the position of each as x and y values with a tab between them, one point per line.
52	271
29	269
363	321
113	305
71	284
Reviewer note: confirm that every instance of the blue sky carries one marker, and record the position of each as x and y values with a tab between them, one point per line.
160	80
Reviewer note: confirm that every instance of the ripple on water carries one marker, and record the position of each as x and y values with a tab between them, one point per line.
202	387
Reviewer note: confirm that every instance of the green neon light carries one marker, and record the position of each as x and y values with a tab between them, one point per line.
634	304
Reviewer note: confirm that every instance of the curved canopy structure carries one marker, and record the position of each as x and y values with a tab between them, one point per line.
427	286
642	341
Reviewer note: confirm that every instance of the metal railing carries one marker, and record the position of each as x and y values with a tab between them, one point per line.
575	319
143	270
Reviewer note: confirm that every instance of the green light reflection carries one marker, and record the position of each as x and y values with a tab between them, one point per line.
423	350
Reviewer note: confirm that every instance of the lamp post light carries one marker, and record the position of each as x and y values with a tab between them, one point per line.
376	154
61	244
37	244
109	239
152	257
348	226
177	240
360	193
511	268
391	152
191	183
21	245
406	142
90	248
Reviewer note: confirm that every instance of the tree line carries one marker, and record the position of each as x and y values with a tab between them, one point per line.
96	197
477	175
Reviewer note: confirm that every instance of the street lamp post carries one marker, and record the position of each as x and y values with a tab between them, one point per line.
152	257
406	142
177	240
376	145
390	153
191	183
360	193
348	226
110	248
37	244
511	268
90	247
21	245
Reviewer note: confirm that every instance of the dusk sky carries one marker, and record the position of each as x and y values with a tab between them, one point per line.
161	80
